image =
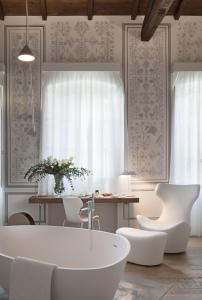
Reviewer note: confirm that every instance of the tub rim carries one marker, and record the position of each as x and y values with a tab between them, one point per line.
123	257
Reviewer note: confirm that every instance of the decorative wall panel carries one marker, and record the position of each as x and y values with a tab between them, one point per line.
23	103
189	42
81	41
17	202
146	66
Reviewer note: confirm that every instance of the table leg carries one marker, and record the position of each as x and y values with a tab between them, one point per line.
126	213
40	207
128	206
44	212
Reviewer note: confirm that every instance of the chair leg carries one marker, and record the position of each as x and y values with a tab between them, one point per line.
63	224
81	224
98	223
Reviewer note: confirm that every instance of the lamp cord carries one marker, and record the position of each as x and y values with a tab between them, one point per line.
26	22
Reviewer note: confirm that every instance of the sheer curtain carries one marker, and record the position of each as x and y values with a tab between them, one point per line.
186	145
83	117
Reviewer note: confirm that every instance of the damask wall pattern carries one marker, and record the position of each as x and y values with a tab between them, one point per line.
23	103
63	34
81	41
189	41
146	66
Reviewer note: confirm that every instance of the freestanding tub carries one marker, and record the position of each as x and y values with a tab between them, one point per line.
89	263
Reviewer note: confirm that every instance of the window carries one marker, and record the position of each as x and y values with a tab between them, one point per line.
83	117
186	146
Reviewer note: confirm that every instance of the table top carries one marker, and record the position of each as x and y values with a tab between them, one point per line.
41	199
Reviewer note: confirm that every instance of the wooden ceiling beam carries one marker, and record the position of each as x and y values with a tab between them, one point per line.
156	11
44	10
134	11
1	11
90	9
178	9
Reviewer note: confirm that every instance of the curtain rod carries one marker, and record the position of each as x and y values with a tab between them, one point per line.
48	67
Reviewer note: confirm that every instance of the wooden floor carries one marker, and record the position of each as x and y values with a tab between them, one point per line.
178	278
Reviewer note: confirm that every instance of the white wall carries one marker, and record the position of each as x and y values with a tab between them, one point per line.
186	45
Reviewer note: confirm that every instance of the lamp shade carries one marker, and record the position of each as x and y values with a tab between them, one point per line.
26	54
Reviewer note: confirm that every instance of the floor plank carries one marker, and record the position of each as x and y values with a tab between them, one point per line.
178	278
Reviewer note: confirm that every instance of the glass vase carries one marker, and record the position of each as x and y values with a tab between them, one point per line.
59	184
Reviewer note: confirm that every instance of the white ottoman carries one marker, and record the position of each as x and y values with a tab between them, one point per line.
147	247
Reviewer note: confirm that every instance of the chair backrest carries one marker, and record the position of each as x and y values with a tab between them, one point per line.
177	201
72	206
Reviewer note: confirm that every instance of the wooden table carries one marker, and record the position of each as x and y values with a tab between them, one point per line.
42	201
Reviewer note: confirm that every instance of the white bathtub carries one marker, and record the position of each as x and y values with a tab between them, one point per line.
89	263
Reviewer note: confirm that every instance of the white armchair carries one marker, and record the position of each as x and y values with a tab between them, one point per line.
177	201
73	211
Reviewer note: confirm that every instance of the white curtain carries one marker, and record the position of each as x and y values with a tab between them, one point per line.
186	145
83	117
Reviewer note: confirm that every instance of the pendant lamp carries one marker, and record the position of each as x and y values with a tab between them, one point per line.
26	54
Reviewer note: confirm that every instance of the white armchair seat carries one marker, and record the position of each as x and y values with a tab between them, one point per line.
155	225
177	233
177	202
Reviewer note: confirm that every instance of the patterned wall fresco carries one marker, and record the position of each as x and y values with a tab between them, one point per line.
146	82
75	39
189	42
81	41
23	98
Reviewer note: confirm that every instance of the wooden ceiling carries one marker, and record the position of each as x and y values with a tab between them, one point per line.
153	10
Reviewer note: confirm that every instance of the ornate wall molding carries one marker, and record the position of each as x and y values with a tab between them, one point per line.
189	42
23	94
17	201
81	41
146	68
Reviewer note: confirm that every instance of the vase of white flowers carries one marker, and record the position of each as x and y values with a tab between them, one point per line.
59	169
59	184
